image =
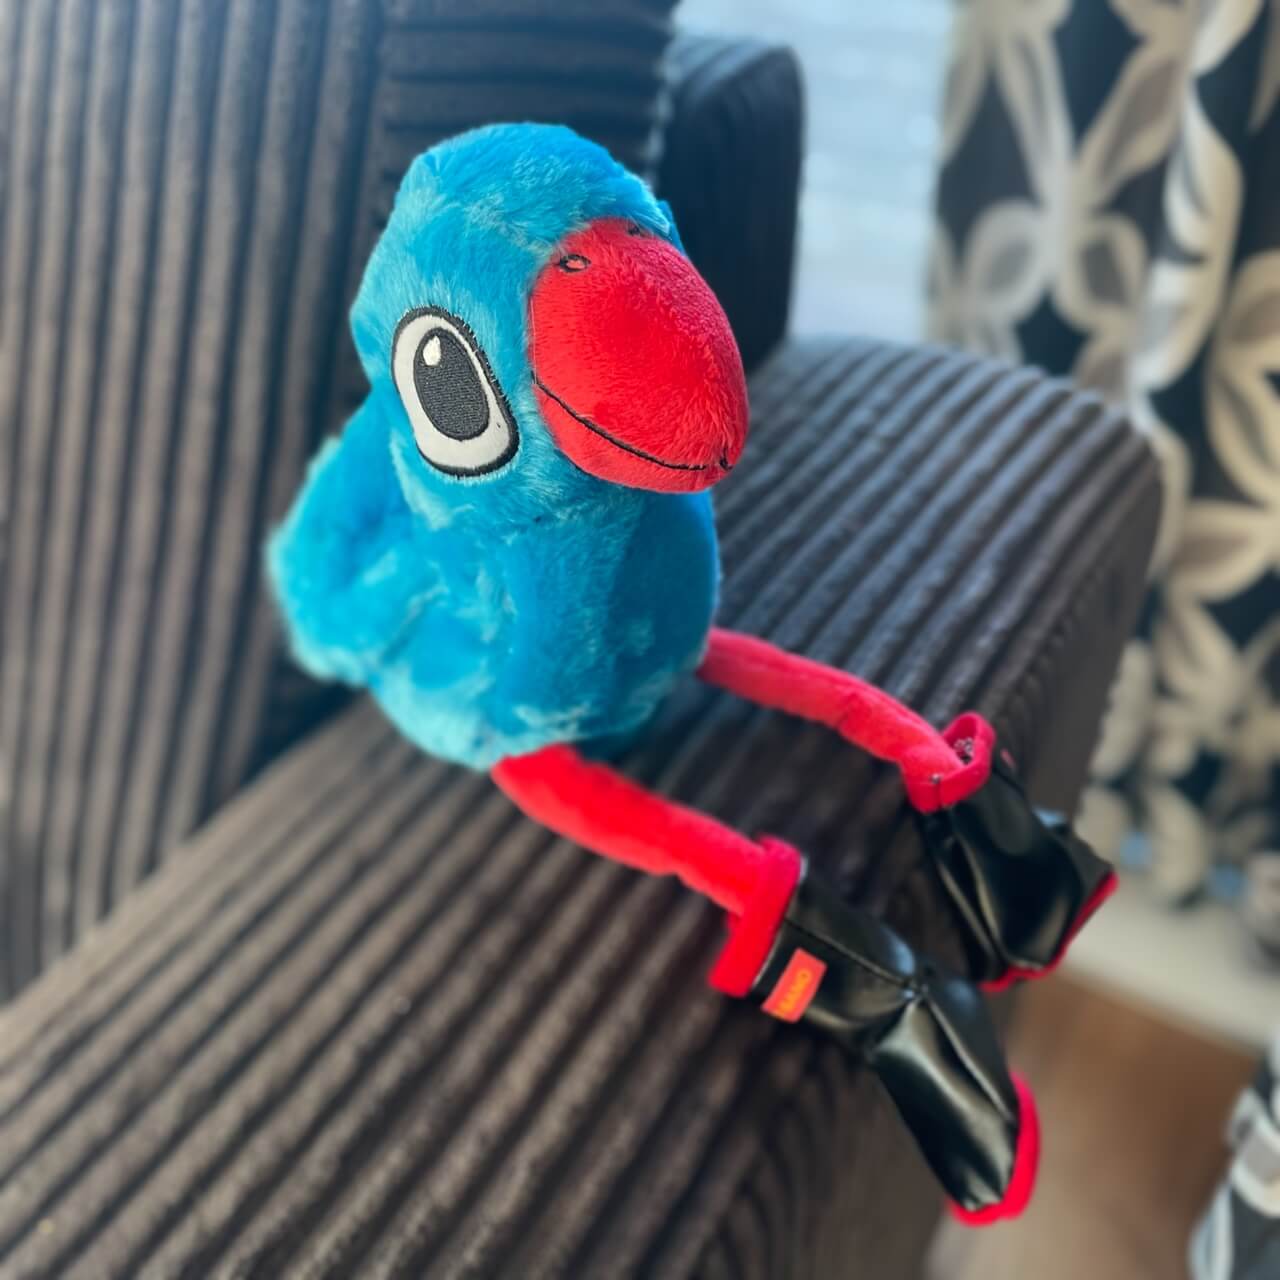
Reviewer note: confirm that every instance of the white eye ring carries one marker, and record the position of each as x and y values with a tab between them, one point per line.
462	423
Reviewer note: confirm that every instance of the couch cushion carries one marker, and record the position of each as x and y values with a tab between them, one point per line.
731	169
369	1021
187	195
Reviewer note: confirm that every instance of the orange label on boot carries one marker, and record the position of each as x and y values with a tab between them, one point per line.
798	985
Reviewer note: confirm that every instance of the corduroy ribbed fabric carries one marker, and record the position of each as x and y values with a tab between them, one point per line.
188	190
370	1022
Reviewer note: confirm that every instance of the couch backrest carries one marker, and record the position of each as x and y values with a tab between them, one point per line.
188	189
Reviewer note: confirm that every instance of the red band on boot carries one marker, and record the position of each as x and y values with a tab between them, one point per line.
751	934
973	741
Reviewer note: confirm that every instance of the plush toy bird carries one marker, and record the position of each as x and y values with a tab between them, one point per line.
511	545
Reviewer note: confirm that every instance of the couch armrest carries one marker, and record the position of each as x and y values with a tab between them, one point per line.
730	169
369	1018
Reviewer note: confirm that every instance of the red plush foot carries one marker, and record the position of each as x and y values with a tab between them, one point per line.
1026	1161
1090	909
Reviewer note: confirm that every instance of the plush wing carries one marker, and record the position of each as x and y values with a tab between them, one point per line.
347	565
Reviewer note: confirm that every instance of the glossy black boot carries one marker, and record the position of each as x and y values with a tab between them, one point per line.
927	1035
1022	881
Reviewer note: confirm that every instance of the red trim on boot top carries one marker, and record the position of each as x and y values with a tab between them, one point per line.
751	934
929	792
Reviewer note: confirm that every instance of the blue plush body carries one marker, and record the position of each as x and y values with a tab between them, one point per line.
493	615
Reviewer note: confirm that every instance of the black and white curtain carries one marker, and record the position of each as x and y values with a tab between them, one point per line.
1109	209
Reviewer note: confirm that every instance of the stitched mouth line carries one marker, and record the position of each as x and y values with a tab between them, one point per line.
613	440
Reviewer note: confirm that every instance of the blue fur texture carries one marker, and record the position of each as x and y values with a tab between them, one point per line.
495	614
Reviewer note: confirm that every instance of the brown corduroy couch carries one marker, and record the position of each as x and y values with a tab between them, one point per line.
289	998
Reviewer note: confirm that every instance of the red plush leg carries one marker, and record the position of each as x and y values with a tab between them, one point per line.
934	770
596	807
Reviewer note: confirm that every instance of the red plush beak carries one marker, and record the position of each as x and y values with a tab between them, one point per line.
635	367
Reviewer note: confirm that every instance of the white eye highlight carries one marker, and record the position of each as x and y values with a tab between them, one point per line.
461	421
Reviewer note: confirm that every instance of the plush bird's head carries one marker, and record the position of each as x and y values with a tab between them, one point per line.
534	333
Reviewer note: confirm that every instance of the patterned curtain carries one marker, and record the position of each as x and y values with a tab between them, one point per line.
1109	209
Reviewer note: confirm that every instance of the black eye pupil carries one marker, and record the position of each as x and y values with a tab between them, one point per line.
449	387
574	262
